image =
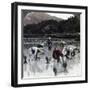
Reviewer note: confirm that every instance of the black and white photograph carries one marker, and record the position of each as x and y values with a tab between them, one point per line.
50	44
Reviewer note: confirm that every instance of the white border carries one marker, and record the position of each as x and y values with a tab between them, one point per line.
82	51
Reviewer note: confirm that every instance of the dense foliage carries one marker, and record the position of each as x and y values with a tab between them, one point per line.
71	26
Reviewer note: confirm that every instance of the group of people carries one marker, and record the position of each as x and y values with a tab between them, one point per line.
59	55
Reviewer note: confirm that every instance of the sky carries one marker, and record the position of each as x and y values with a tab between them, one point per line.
61	15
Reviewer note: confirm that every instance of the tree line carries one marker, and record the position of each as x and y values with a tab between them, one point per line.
64	27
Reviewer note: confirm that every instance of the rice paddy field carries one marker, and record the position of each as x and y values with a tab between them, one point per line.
40	69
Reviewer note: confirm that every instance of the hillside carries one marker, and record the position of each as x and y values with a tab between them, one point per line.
70	27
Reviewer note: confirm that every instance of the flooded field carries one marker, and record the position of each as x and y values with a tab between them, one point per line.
40	68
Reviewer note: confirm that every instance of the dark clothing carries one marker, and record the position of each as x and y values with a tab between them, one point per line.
55	71
49	43
25	62
64	64
67	54
33	51
47	60
57	54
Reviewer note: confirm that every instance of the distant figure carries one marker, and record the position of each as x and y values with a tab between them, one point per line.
49	43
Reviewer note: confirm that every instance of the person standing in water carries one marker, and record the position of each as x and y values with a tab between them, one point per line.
49	43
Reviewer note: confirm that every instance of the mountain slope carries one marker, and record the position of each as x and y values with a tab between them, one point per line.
37	17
